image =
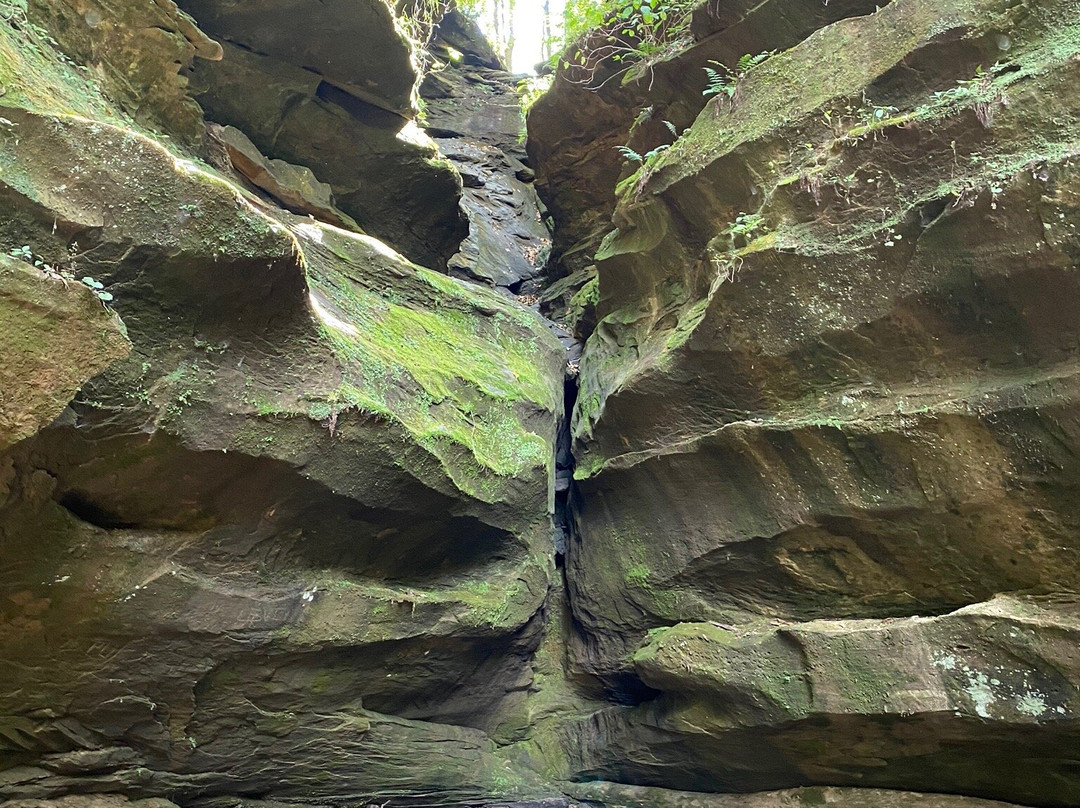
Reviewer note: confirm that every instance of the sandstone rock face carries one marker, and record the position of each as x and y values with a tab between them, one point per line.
474	112
57	335
832	379
138	47
293	187
644	797
576	128
908	703
304	528
356	45
340	102
92	801
287	517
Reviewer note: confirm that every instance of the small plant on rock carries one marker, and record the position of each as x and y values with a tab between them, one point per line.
623	33
745	228
24	253
63	272
723	82
98	288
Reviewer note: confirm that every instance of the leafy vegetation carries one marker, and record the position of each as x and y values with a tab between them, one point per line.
600	34
724	81
66	273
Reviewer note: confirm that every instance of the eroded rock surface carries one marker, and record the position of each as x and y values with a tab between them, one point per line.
625	796
305	527
57	335
907	703
286	513
473	110
340	101
293	187
831	378
139	50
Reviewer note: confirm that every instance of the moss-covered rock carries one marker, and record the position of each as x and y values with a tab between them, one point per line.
832	376
306	525
577	127
627	796
136	50
981	701
831	333
55	335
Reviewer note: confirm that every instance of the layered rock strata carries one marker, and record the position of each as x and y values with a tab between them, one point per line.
297	543
830	380
286	515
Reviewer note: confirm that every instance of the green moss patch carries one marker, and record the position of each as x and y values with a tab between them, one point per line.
462	370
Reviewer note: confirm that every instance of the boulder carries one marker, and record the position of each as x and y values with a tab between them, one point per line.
981	701
293	187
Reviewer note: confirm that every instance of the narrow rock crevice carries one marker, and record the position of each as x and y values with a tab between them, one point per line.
293	507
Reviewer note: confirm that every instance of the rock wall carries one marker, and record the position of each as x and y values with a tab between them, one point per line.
286	508
294	541
826	428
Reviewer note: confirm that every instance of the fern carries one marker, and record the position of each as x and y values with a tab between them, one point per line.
630	154
725	80
658	150
719	82
748	62
671	128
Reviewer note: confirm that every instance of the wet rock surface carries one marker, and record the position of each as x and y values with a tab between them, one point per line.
474	112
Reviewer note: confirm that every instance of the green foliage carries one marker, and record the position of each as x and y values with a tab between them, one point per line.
420	18
598	34
629	154
634	157
97	287
24	253
530	90
744	229
723	81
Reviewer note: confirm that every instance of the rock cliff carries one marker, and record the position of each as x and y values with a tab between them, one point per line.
827	403
286	443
